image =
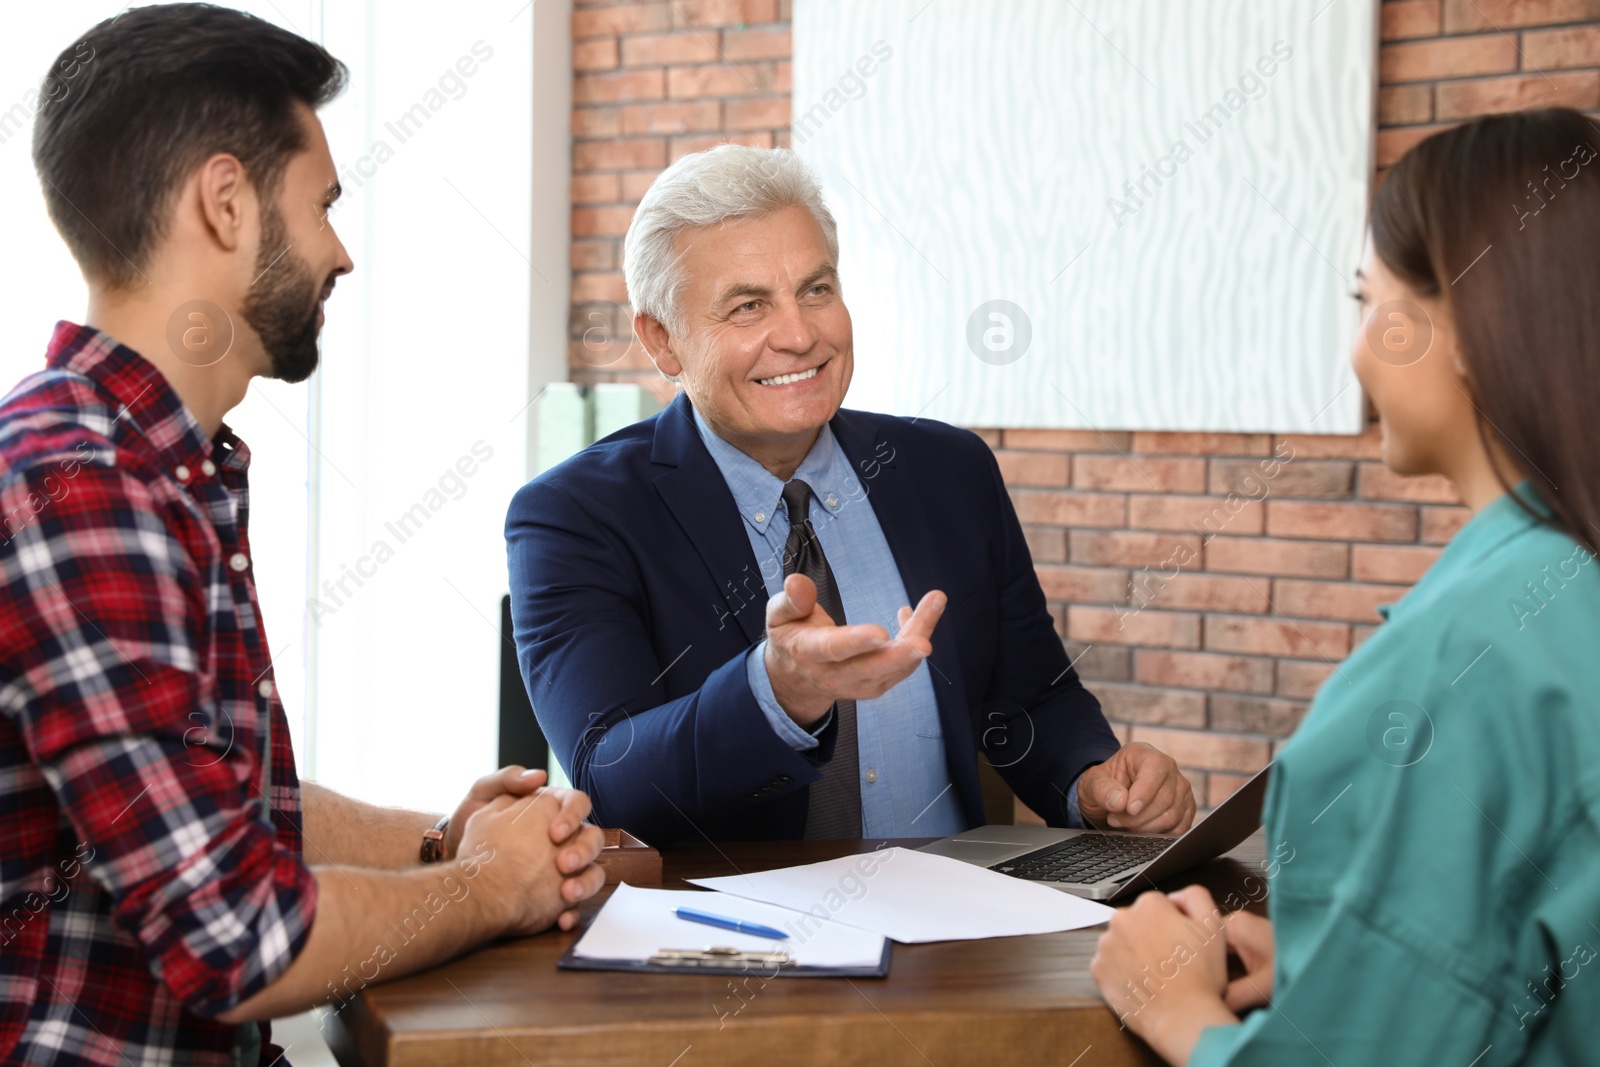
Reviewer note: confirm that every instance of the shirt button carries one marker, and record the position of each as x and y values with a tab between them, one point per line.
761	516
872	775
239	561
208	467
265	688
833	501
181	473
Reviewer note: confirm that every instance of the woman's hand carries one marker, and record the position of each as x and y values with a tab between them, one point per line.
1162	966
1250	938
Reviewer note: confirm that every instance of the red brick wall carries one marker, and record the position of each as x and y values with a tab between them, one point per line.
653	82
1204	624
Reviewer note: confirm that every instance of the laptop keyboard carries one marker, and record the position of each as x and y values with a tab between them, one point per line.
1086	858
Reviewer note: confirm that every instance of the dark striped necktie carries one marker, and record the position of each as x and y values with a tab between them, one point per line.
834	810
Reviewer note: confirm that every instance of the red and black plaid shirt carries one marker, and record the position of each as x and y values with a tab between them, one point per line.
144	889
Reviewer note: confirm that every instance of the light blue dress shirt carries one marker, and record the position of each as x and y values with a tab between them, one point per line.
905	786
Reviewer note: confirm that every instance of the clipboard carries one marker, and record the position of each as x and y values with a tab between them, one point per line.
722	960
637	930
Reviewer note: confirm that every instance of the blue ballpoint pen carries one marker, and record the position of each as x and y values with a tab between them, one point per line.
736	925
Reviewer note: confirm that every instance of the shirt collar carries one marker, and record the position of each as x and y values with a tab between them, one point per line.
146	400
757	492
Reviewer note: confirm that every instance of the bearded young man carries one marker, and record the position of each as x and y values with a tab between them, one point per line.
167	880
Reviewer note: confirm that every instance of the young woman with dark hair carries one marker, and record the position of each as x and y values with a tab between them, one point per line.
1440	803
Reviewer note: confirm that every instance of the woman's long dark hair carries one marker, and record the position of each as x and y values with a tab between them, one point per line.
1501	218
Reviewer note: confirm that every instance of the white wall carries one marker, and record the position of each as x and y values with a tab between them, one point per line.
972	153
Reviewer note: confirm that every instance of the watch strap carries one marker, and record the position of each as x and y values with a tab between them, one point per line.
433	841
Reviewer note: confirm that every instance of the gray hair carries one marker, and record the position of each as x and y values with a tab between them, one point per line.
726	182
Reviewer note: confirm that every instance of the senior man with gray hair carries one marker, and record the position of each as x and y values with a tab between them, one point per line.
640	567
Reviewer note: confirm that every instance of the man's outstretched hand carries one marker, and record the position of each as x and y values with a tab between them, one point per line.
812	662
1139	788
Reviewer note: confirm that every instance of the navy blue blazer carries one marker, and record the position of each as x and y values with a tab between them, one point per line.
635	596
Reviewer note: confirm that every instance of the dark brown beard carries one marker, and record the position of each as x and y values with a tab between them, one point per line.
276	306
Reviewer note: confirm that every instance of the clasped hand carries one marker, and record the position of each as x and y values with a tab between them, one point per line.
1162	966
812	663
493	806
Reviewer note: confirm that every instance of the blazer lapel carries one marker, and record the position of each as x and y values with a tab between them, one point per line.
693	490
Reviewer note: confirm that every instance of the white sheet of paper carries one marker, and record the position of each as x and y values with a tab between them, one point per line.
913	896
636	923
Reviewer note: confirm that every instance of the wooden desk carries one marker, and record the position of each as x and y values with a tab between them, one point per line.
1016	1000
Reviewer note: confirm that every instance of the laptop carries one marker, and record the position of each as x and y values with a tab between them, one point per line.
1108	865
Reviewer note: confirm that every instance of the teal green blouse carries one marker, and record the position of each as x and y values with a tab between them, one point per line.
1436	820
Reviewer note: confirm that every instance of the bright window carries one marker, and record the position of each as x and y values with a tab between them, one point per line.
379	487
